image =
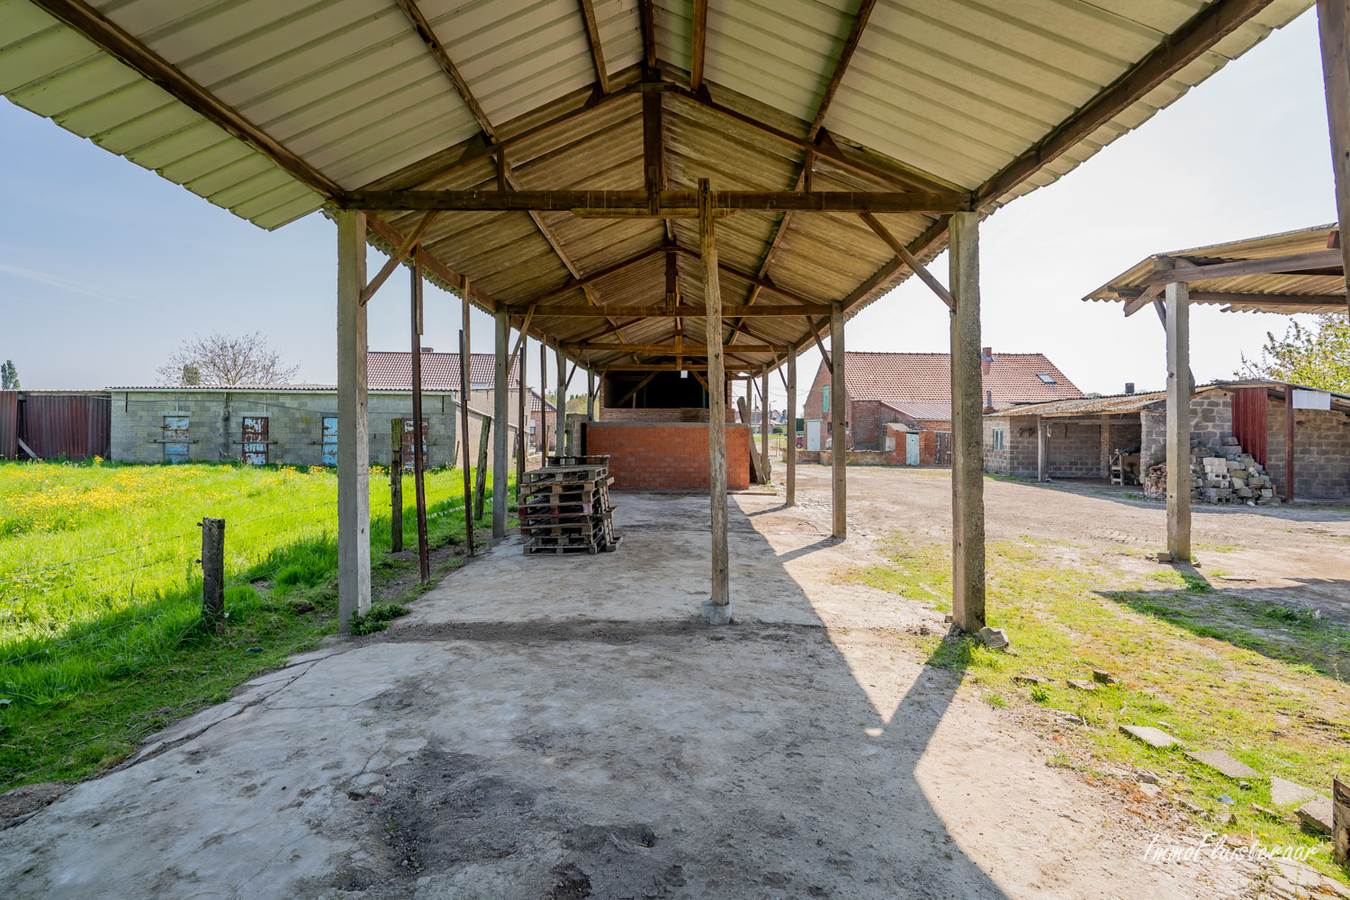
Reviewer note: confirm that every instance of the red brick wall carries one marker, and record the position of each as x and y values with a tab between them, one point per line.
928	439
667	457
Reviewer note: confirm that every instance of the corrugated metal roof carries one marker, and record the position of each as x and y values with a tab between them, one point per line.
1260	293
952	91
903	378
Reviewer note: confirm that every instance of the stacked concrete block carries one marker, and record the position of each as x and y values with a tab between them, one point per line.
1228	474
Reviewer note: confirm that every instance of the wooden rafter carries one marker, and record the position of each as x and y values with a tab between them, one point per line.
593	37
647	22
698	44
1296	263
845	56
400	254
757	281
676	349
122	46
424	31
1176	51
661	311
824	354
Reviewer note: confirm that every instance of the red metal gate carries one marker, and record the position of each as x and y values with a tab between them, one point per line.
255	440
1250	408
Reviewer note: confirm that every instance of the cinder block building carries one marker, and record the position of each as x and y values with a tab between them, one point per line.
914	389
297	424
1078	438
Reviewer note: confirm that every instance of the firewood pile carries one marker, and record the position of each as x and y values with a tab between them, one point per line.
1227	474
565	508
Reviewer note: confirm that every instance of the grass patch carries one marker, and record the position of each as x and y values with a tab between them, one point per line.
101	641
1266	682
378	618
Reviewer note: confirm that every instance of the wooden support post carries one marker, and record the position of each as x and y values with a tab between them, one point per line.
464	425
1042	450
764	424
522	424
543	403
353	460
213	572
480	474
561	359
419	444
1178	421
1333	22
1289	473
500	489
838	424
790	461
396	485
717	609
590	395
968	594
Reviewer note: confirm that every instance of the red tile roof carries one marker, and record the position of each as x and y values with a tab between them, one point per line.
392	370
535	400
901	379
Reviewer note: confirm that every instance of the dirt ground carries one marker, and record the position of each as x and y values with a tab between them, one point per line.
567	727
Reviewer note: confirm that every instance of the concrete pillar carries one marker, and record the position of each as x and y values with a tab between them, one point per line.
967	425
838	409
790	462
561	358
1178	420
1333	23
353	458
500	438
1042	450
717	609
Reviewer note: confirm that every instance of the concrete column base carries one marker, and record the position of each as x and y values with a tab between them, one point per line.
716	613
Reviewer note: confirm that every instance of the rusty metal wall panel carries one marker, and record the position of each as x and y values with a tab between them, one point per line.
66	426
9	424
255	440
1249	420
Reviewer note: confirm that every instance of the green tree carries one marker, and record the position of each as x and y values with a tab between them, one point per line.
9	376
1317	356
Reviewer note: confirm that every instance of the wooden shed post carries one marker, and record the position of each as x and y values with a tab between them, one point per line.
522	418
764	422
419	446
561	357
1042	449
717	609
501	434
543	403
1333	22
838	407
1178	421
590	396
353	425
790	457
967	425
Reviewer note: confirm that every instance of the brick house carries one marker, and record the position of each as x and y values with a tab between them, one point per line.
914	389
543	420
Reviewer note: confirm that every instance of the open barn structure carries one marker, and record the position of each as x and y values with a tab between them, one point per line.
642	185
1292	272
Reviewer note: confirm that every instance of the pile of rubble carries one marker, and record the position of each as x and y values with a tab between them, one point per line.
1227	474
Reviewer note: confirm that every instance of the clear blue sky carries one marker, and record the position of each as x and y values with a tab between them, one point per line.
106	267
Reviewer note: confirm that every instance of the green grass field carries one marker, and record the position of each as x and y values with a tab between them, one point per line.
101	640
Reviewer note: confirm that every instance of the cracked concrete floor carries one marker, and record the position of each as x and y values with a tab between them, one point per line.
565	727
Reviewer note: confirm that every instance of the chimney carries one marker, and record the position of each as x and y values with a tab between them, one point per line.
1129	387
988	401
986	359
428	350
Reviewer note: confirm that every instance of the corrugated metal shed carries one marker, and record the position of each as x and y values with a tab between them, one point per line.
294	103
1292	292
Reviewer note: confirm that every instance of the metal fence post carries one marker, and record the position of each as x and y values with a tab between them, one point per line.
213	571
396	485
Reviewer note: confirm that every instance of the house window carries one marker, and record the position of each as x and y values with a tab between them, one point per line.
825	399
998	438
1046	378
175	438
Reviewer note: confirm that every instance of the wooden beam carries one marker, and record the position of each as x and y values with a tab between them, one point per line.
1291	264
592	277
670	349
1178	424
686	366
764	423
760	282
698	44
400	254
1289	300
465	358
637	387
845	56
909	259
824	354
1333	25
520	339
838	426
1174	52
647	22
564	310
452	279
428	36
654	156
419	445
1145	297
593	37
717	609
125	48
968	562
670	203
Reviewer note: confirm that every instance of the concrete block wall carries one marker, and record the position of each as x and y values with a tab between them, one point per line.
1211	422
1321	452
671	456
1020	453
1074	450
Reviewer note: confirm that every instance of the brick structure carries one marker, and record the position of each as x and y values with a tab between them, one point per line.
915	388
667	456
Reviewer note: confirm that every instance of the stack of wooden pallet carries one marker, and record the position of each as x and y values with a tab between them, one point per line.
564	506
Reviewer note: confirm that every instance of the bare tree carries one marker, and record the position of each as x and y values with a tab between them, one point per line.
223	359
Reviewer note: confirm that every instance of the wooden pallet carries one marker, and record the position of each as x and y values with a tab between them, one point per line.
596	460
565	508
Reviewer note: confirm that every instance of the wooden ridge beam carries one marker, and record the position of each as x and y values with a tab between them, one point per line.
647	23
122	46
677	349
670	203
593	38
661	311
698	43
1176	51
